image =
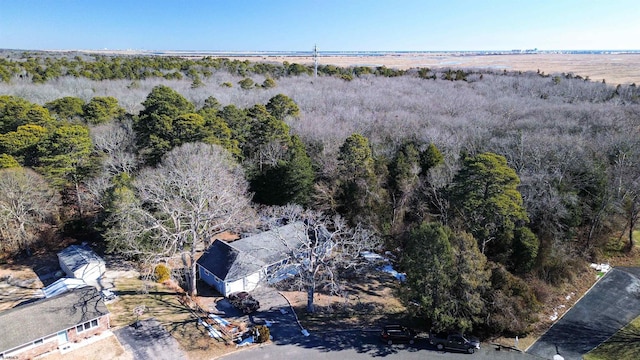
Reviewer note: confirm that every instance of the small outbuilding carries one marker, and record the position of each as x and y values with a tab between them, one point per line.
81	262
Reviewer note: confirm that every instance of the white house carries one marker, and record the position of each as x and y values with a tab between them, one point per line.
242	264
80	262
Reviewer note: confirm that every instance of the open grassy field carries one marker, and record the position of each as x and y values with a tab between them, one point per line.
613	68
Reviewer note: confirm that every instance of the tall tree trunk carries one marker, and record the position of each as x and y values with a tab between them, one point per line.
310	293
630	239
78	198
633	217
188	261
193	288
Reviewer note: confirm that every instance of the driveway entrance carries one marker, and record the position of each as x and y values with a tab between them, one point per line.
610	305
149	341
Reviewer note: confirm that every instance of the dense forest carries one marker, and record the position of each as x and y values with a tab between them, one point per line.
488	186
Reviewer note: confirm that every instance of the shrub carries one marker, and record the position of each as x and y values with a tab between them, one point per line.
246	83
268	83
262	334
162	273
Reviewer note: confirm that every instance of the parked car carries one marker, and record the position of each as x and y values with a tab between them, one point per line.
244	301
394	333
454	341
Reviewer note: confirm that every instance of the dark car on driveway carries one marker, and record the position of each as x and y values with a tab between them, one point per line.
394	333
244	301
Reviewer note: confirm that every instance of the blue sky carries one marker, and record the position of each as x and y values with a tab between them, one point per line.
340	25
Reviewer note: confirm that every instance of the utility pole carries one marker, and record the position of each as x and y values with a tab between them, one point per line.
315	61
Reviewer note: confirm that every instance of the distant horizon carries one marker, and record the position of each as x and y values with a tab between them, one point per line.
514	51
296	25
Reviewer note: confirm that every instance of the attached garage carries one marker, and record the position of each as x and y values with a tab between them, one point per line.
242	264
80	262
228	270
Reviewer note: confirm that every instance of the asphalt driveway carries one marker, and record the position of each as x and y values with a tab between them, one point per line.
611	304
150	342
275	312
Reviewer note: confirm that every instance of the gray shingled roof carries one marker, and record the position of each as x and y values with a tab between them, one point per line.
227	263
27	323
274	245
248	255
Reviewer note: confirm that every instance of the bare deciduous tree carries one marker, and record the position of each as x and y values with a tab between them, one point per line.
117	141
26	205
173	210
326	247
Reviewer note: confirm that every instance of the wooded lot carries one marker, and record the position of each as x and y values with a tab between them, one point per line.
478	181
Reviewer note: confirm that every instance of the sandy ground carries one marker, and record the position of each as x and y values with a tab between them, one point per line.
18	283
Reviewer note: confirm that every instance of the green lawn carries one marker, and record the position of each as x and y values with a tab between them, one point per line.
625	344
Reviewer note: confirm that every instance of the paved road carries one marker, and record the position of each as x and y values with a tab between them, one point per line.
357	344
607	307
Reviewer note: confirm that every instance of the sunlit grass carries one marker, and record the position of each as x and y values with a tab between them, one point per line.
162	303
158	301
625	344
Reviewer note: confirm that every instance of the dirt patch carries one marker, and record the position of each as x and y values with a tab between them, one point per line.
367	301
22	275
108	348
18	283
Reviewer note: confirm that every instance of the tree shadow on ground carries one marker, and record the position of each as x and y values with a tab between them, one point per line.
364	342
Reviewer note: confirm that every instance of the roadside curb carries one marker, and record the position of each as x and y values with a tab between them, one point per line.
567	311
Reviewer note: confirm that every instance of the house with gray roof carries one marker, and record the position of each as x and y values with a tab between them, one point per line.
242	264
52	324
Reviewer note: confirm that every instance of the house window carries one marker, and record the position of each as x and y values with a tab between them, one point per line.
86	326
